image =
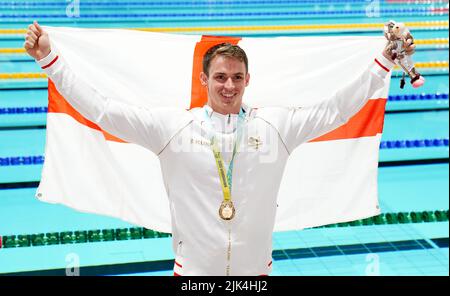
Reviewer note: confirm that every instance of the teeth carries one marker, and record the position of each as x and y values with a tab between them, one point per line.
228	95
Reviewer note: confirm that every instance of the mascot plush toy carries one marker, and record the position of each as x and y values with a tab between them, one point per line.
400	48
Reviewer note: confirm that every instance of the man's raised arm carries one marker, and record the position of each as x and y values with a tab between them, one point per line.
300	125
149	128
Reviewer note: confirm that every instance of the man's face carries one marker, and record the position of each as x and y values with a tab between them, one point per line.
226	84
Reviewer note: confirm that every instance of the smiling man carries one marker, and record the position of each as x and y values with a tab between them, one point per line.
222	184
225	78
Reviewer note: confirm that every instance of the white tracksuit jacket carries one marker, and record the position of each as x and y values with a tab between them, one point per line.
200	237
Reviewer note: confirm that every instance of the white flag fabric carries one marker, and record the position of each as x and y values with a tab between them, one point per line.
328	180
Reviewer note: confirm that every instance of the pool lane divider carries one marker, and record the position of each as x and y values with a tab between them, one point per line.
290	12
389	246
277	255
437	65
395	144
435	41
433	25
207	3
123	234
198	4
391	98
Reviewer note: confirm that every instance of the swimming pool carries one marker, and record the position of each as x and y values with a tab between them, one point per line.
410	239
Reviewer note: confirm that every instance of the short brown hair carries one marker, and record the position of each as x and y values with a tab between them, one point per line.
227	50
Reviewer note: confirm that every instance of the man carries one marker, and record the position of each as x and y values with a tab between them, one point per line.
222	164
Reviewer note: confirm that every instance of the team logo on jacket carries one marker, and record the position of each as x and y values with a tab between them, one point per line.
254	142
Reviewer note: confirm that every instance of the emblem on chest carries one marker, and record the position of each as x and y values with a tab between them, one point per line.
254	142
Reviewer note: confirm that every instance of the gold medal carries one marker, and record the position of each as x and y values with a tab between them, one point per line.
226	210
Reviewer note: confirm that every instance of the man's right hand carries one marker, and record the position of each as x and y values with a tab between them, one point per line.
37	42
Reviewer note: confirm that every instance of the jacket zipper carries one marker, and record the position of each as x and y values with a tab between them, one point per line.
228	252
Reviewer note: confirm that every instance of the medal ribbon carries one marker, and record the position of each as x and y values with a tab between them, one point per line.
225	179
